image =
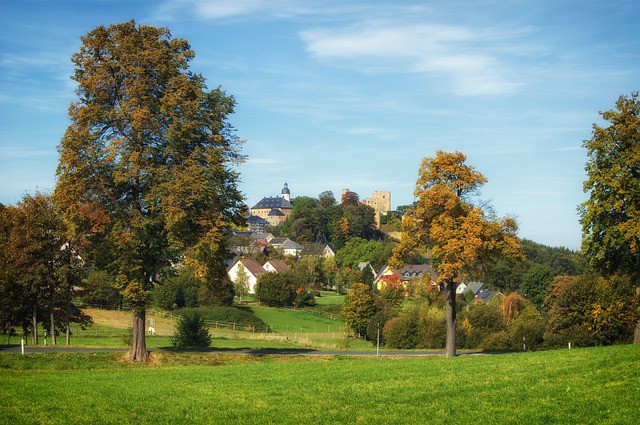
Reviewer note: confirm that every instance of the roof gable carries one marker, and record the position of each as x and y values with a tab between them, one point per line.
252	266
278	265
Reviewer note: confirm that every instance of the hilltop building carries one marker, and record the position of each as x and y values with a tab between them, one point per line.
380	201
274	210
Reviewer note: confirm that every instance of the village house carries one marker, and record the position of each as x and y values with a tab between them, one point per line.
406	274
275	266
319	249
251	269
287	246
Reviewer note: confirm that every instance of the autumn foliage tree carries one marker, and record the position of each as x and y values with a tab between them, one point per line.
611	216
146	164
591	310
459	234
358	309
37	270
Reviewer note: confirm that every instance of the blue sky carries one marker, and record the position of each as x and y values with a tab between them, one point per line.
333	94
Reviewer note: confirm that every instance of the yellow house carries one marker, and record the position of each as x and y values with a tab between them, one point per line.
406	274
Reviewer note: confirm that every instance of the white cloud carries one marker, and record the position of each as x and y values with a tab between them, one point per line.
456	53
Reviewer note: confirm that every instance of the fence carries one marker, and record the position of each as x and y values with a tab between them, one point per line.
240	330
214	323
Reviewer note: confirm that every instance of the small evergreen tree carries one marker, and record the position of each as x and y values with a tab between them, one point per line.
191	331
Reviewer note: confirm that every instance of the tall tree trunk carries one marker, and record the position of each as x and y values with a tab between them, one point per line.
450	293
636	335
52	317
139	351
25	329
34	322
67	315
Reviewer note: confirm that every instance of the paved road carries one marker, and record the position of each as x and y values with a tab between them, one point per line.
258	352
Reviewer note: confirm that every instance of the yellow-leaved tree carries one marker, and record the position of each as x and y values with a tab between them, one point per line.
459	234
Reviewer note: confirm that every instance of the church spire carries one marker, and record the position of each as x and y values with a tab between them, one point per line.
286	193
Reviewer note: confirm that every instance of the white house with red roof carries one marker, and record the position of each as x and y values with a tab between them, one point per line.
251	269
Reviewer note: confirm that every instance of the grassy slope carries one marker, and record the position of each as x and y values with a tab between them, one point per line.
290	320
596	385
110	329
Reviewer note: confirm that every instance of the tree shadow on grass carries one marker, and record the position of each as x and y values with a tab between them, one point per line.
240	350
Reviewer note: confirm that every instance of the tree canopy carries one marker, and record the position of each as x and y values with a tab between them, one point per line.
146	165
36	272
459	235
611	216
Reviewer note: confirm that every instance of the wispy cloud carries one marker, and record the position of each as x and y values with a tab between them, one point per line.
13	152
224	9
457	53
263	161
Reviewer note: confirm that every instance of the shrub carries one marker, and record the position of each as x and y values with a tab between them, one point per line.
527	328
191	331
275	289
402	331
303	298
500	340
484	319
393	292
216	290
380	318
432	327
179	291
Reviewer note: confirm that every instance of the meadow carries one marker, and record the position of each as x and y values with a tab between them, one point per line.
589	385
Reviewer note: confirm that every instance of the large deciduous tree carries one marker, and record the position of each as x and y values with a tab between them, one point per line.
459	234
146	166
611	216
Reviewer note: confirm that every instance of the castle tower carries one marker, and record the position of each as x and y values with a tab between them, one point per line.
380	201
286	193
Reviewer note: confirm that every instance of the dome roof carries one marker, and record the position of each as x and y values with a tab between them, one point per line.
285	189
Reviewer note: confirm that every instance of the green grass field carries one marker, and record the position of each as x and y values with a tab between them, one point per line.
291	321
591	385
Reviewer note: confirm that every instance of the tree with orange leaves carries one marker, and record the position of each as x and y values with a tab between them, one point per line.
459	234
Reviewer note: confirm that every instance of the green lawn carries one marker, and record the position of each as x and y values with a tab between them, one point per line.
594	385
291	321
330	298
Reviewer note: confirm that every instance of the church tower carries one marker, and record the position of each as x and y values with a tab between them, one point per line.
286	193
